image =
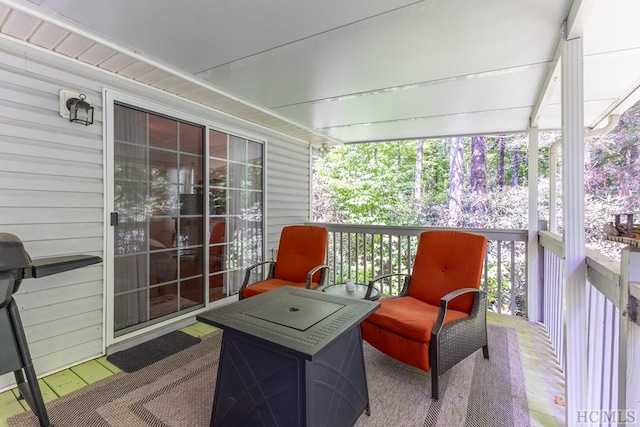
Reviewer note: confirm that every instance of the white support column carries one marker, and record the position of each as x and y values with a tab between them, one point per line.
534	296
553	188
574	235
311	207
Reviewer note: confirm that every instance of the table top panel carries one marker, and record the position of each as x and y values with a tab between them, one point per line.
294	311
309	320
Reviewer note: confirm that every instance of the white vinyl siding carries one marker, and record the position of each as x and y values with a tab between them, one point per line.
51	197
52	193
288	198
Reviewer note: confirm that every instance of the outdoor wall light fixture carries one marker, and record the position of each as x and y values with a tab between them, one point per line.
75	107
80	111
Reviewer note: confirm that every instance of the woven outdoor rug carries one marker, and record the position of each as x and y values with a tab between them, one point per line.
178	392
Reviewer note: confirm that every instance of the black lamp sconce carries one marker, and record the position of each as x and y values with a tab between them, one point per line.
75	107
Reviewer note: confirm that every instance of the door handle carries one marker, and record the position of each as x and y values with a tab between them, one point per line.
114	219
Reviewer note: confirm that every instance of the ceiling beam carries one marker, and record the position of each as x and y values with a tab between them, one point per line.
578	17
551	81
573	28
625	101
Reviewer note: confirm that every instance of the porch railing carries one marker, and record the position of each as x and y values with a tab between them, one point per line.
606	378
552	290
362	252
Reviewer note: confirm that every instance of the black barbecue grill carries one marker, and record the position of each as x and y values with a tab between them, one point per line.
16	265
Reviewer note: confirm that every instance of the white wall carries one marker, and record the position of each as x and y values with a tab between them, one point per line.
288	200
52	193
51	196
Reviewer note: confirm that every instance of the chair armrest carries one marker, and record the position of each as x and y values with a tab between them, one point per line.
247	275
385	276
444	303
314	270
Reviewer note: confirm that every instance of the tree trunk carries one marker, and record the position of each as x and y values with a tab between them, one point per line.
501	144
456	172
516	168
417	179
478	172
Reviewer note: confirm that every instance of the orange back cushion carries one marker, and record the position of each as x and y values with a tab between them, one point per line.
301	248
446	261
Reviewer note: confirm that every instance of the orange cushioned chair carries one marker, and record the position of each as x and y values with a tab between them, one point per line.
300	262
439	317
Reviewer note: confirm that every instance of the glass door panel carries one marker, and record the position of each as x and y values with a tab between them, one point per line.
158	198
191	139
235	215
163	132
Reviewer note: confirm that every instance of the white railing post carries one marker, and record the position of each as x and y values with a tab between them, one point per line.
534	294
628	368
573	218
553	188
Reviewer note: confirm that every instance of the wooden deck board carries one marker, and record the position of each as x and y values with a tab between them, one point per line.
9	407
198	329
543	379
91	371
64	382
46	392
110	366
540	419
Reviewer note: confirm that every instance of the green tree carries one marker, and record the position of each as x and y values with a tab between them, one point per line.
366	183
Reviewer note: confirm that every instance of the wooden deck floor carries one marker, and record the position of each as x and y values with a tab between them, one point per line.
544	381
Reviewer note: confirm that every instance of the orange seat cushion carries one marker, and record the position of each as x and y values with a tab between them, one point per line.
271	284
414	353
410	317
401	328
446	261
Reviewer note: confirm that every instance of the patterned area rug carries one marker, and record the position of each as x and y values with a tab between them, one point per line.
178	392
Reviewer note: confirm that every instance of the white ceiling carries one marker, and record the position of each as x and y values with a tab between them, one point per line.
349	71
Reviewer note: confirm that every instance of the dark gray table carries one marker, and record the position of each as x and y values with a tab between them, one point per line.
290	357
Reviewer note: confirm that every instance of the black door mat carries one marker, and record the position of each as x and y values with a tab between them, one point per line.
145	354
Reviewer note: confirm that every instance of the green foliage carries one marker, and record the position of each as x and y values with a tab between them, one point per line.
373	184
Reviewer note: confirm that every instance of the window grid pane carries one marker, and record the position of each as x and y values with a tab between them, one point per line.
235	211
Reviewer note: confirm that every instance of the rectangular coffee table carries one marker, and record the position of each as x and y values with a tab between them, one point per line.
290	357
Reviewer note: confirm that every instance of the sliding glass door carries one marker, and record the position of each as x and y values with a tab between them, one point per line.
187	215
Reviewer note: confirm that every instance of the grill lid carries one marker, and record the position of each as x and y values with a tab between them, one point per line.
12	253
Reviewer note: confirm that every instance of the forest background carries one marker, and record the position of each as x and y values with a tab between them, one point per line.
475	182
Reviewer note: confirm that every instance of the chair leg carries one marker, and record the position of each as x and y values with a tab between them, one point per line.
485	351
434	384
433	361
